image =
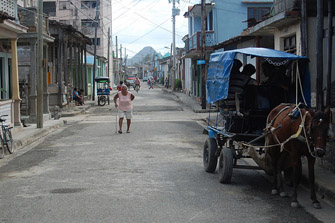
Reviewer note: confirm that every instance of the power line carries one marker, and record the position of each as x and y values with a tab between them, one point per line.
149	32
147	19
146	7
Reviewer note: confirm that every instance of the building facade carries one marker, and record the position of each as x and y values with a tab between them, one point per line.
81	15
224	20
9	79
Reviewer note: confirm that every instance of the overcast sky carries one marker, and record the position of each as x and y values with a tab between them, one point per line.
141	23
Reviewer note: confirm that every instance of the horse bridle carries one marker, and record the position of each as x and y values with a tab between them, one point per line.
310	139
304	139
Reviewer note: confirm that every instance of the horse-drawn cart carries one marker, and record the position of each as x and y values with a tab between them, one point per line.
236	130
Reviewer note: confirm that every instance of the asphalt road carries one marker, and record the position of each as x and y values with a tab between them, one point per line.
85	172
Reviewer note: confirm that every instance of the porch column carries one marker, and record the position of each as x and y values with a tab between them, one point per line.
45	80
66	66
70	77
76	82
60	67
81	79
15	84
85	72
32	83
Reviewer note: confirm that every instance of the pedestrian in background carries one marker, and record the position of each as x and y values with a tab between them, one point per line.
166	82
125	107
119	88
76	97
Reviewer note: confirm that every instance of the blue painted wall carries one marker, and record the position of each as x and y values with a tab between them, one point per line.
228	17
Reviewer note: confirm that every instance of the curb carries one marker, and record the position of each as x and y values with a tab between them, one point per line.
24	141
78	112
324	188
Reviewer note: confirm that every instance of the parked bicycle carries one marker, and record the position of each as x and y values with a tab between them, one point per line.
6	137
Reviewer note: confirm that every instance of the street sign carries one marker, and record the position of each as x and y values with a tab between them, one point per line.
201	62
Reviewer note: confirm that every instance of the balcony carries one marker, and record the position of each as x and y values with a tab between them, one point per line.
194	42
285	5
9	7
29	19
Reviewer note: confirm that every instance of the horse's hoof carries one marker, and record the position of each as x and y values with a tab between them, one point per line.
274	192
295	204
317	205
283	194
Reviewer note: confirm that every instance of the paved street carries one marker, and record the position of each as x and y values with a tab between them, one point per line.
85	172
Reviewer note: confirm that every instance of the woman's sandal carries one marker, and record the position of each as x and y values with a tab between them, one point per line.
128	131
120	131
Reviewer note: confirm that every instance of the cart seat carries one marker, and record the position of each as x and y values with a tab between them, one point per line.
235	99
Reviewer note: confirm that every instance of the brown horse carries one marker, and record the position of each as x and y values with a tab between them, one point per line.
296	131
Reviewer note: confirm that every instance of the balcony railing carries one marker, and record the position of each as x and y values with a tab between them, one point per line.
9	7
29	19
194	42
285	5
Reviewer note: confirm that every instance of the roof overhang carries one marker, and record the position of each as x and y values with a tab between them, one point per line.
268	26
10	29
196	10
29	35
234	40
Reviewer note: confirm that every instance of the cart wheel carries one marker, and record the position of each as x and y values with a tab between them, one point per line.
225	165
102	101
210	159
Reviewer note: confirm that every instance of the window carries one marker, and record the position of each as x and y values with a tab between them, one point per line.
256	14
98	41
49	8
5	78
210	17
63	5
88	4
290	44
87	23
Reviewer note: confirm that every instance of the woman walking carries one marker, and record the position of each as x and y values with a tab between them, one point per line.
124	107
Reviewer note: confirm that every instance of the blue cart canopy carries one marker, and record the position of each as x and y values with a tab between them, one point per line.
221	63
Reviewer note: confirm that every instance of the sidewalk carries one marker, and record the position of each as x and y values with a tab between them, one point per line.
324	179
189	101
24	136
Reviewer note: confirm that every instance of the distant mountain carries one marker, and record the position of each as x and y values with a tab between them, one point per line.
147	51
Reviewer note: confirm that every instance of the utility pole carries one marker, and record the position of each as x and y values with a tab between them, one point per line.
319	56
203	54
125	61
175	12
96	21
121	76
117	73
330	53
39	87
109	44
142	67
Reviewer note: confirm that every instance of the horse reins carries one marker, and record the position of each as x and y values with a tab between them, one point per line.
297	135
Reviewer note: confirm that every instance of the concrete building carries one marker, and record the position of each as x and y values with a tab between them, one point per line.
224	20
81	15
9	79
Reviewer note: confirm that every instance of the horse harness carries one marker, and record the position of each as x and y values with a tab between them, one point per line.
296	111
